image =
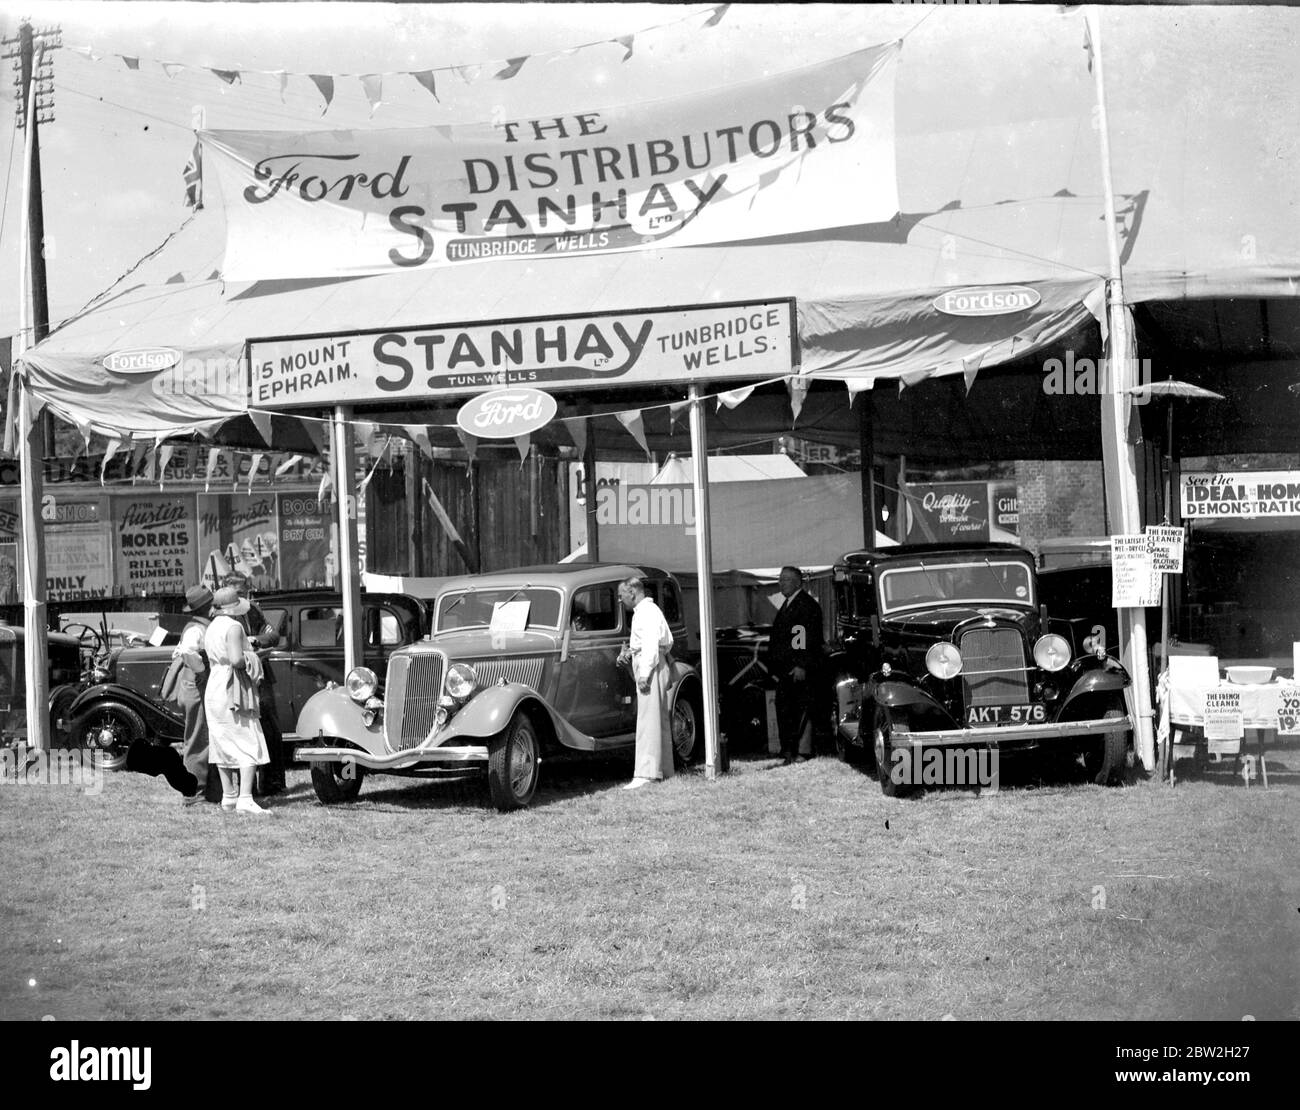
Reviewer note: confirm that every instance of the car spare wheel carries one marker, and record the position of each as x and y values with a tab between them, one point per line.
688	744
882	743
337	782
1104	756
513	764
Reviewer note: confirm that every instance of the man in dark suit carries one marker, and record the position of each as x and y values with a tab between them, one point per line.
795	658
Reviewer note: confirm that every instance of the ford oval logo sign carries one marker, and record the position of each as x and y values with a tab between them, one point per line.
506	413
995	301
144	361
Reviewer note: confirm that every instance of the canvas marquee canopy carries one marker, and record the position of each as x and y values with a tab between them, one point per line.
998	182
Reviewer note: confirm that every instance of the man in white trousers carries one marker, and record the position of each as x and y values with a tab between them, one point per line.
647	651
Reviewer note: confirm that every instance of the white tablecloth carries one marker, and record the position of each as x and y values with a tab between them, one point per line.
1259	702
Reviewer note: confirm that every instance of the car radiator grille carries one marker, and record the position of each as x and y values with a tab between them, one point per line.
527	671
411	698
993	667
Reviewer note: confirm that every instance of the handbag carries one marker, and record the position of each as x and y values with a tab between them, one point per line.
167	692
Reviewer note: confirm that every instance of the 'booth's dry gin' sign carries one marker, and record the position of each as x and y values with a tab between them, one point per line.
507	413
751	341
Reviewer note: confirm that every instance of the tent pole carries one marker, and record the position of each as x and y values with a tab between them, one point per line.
589	476
867	453
31	461
31	438
1118	457
344	463
704	576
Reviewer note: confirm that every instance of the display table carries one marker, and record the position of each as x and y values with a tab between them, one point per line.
1260	702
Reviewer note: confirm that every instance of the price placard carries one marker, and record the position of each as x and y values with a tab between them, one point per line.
1135	581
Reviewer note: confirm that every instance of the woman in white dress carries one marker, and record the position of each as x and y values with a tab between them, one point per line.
235	740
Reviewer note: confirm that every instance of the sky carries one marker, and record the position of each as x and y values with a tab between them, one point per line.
113	159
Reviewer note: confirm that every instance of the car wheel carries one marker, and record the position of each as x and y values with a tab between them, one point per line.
513	764
1104	757
106	734
688	742
337	782
61	699
882	728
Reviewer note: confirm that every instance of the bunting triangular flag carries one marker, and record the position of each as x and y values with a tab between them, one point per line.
861	385
213	456
229	76
172	68
426	81
110	449
287	465
797	385
325	86
373	84
150	463
137	457
970	366
523	444
733	397
164	458
262	422
631	419
625	41
717	15
675	410
254	467
469	442
325	484
576	426
131	63
468	74
317	433
513	66
1095	302
419	435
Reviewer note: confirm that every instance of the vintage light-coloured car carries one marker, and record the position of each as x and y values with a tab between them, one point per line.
520	665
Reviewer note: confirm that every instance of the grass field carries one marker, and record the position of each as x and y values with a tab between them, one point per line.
777	892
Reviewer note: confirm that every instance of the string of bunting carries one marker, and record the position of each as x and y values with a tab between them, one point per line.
373	83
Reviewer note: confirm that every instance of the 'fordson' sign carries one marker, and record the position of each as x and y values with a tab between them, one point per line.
506	413
998	300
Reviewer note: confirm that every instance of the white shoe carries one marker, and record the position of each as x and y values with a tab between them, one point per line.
229	804
247	805
636	784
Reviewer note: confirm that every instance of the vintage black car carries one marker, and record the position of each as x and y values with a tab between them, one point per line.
66	663
948	647
120	703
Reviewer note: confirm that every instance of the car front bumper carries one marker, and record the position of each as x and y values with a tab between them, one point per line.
396	761
997	735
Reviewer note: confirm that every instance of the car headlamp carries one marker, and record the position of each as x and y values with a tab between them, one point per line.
1052	652
361	683
943	660
461	680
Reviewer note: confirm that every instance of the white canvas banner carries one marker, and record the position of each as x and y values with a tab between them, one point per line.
800	151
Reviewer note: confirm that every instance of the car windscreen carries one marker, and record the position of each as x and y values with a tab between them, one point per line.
970	582
531	606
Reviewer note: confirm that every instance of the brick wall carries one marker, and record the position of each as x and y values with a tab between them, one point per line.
1059	499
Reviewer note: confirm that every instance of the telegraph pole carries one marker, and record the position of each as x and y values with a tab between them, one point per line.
34	80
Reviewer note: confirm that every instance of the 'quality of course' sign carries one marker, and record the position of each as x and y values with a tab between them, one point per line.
683	345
